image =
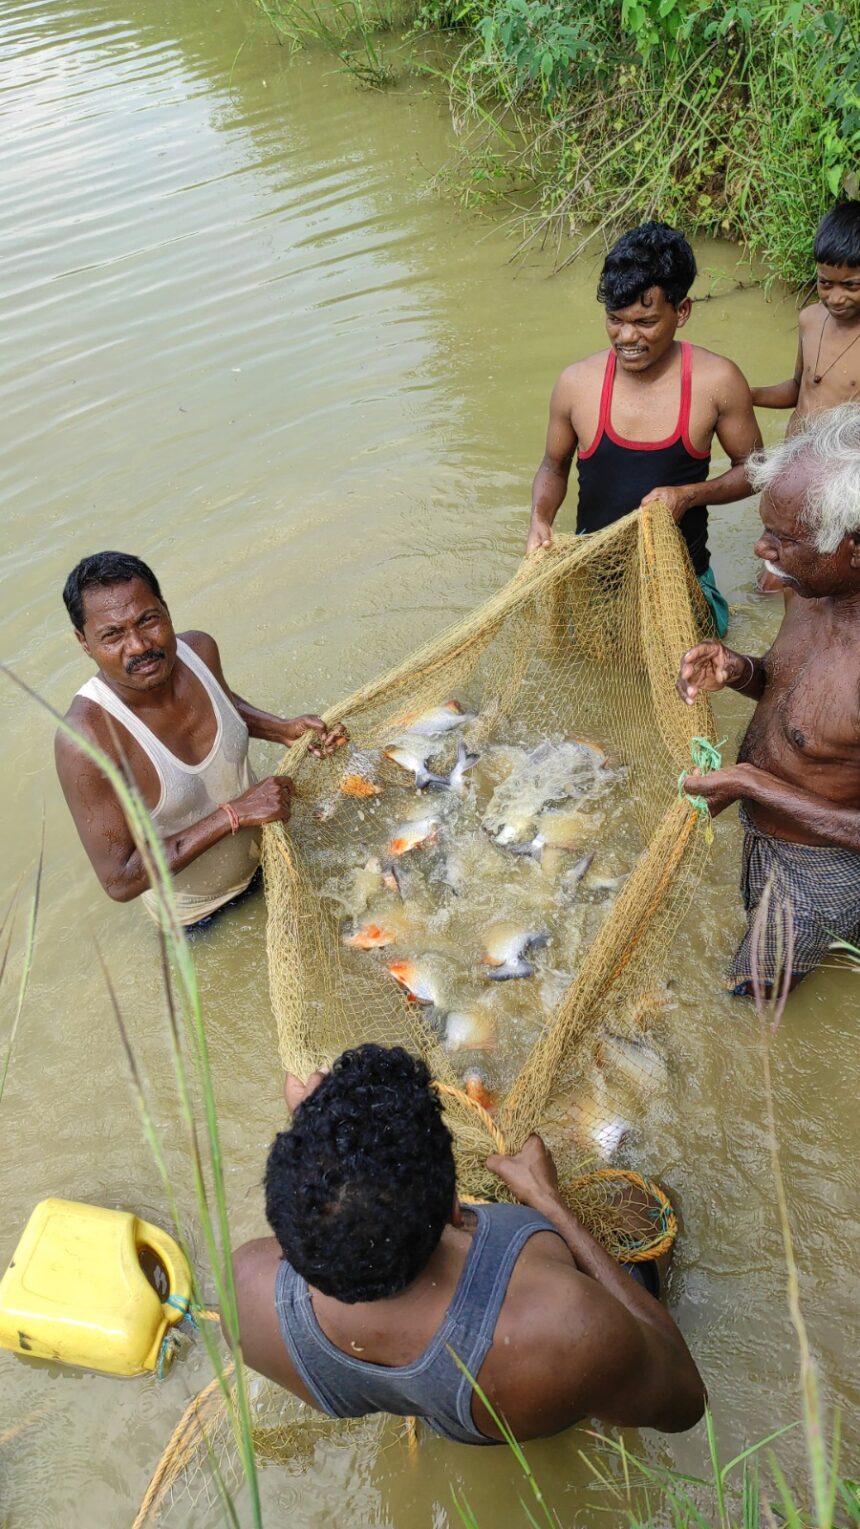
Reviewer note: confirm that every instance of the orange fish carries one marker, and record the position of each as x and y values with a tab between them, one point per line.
413	835
370	937
476	1088
416	981
357	785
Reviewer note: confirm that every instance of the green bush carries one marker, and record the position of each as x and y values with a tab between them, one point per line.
739	119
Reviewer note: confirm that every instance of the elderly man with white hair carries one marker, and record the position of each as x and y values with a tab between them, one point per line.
798	772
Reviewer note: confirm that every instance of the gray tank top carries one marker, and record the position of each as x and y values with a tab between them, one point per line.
430	1387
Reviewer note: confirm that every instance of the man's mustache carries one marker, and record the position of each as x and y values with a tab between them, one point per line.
144	658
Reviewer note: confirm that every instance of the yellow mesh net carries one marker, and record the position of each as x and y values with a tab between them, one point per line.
568	826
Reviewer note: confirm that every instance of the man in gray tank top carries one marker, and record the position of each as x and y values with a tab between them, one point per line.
376	1274
161	708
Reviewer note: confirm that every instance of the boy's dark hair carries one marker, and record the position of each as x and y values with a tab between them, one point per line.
837	237
103	568
359	1189
652	255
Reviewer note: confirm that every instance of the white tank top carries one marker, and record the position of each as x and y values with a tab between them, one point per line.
190	792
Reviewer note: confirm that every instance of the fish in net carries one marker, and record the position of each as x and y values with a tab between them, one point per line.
491	874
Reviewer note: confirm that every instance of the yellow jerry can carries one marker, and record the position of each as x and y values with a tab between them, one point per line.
76	1291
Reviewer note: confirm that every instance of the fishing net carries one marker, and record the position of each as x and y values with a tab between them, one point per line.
568	826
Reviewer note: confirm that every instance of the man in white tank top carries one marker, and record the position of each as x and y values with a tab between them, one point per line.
161	706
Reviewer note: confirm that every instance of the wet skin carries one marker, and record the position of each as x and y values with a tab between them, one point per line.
576	1336
129	635
824	349
798	767
645	403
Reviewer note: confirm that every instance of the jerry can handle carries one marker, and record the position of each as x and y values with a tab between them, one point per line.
177	1303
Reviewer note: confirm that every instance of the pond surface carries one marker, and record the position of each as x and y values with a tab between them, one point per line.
243	339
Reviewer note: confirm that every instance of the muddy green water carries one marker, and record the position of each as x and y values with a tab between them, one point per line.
242	340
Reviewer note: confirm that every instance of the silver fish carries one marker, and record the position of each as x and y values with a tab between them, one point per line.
551	773
465	761
574	876
416	763
595	1121
470	1030
438	719
505	949
639	1063
410	758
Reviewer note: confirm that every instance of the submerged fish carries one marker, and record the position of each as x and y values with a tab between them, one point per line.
413	835
416	763
555	830
356	888
475	1087
588	746
640	1064
574	876
469	862
470	1030
392	880
551	773
438	719
370	936
596	1124
417	980
505	946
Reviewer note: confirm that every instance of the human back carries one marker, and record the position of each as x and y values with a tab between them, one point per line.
376	1273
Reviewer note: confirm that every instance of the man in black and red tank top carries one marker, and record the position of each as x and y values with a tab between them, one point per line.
641	416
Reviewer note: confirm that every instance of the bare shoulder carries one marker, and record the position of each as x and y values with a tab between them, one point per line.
722	377
580	376
810	318
255	1261
203	644
90	720
255	1270
717	368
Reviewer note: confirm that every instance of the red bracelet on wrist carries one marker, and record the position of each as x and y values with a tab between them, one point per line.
232	814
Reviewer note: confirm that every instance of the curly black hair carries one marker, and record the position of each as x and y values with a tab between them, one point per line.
837	237
359	1189
652	255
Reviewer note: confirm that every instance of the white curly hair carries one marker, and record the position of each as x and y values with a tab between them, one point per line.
831	439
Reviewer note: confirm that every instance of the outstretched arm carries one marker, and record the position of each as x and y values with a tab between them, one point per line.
781	395
550	482
263	724
636	1369
738	433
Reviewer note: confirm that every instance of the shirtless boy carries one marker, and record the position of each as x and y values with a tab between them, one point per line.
641	417
827	369
798	772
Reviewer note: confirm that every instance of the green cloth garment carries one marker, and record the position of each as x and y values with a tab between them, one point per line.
719	605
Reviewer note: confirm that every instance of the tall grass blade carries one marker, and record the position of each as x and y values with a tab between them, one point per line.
216	1233
27	967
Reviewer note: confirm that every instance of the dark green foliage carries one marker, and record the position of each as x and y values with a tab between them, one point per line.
740	120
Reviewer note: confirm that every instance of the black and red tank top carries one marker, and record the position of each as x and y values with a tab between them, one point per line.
614	474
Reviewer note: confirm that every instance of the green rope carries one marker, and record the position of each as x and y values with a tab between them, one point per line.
706	756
